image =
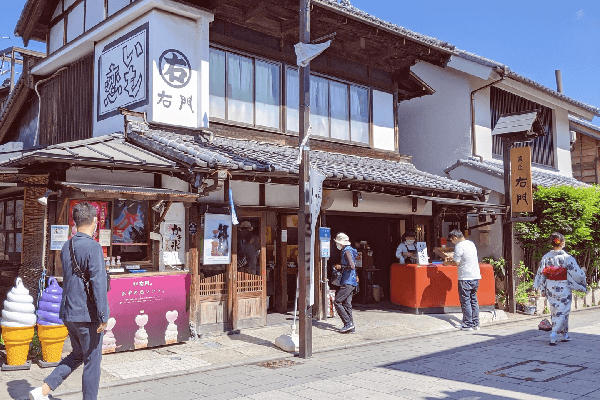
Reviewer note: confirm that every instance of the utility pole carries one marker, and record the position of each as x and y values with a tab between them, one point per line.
304	218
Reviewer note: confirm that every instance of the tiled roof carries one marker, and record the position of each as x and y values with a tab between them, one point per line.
346	7
112	150
541	178
526	81
248	155
574	121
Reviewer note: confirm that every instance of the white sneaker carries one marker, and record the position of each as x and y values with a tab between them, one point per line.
36	394
477	327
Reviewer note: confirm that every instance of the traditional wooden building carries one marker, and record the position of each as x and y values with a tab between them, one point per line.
176	114
585	150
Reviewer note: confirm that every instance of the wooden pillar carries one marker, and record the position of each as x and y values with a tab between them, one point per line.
507	231
263	265
193	261
281	303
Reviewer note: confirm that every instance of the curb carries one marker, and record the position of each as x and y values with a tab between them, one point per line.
124	382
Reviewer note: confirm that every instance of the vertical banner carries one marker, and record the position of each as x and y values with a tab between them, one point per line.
217	239
520	168
316	179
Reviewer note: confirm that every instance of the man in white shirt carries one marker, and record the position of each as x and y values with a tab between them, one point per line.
465	256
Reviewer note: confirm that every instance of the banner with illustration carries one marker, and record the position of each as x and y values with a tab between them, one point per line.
130	222
146	311
102	214
217	239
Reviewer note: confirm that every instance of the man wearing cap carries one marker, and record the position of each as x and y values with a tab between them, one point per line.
348	284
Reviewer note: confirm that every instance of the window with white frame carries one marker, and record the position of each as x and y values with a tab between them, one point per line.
244	89
248	90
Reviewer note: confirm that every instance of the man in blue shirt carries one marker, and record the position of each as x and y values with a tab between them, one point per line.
348	284
85	316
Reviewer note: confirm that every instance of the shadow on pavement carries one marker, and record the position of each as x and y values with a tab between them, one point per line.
523	362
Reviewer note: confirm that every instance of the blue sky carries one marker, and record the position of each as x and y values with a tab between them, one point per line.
532	37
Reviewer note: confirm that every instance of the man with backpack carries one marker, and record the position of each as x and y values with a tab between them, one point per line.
84	306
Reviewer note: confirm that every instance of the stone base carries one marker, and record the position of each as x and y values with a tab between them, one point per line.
44	364
6	367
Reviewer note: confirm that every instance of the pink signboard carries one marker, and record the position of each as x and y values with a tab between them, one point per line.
147	311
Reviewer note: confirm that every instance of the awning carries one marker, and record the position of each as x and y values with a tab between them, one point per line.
149	193
480	205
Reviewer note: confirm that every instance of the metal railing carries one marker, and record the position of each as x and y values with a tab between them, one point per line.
12	61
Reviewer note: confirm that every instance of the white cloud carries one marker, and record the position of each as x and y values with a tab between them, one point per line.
579	14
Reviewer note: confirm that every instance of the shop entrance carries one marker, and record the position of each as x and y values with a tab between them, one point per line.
381	234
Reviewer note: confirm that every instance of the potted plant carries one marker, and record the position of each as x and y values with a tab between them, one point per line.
501	300
524	290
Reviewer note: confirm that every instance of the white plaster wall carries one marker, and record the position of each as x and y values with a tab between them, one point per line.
245	193
213	197
170	182
378	204
281	195
102	176
562	142
483	123
435	129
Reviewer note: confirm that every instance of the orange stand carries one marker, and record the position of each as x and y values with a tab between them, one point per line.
433	289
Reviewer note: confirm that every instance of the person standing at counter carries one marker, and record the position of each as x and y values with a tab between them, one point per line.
348	283
406	253
465	255
557	276
84	306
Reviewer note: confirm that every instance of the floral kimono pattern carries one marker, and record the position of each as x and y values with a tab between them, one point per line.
559	293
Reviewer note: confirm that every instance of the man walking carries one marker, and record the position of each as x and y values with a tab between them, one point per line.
465	256
85	313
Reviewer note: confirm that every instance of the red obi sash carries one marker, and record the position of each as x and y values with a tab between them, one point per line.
555	273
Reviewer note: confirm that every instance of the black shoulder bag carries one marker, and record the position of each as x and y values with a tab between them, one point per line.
77	270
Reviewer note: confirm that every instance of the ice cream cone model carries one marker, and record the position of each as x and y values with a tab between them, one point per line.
141	337
109	343
171	332
51	330
18	322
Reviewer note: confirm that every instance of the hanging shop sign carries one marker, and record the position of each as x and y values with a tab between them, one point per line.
217	239
522	191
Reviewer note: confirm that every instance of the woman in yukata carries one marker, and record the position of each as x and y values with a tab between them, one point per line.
557	276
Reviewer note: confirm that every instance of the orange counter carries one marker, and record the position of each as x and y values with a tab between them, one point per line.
433	288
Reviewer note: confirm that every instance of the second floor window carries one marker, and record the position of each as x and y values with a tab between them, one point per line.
243	89
262	93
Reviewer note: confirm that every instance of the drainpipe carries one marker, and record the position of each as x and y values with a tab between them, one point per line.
559	86
502	73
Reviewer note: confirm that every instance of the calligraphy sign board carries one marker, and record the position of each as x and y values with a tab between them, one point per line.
146	311
217	239
123	73
522	192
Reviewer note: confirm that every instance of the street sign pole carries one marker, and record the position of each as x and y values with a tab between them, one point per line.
304	215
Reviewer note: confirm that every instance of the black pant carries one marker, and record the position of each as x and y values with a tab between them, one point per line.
343	303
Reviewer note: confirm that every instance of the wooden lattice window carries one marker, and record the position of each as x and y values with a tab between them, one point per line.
11	228
503	102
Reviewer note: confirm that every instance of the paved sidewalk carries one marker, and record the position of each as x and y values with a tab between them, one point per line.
501	361
217	351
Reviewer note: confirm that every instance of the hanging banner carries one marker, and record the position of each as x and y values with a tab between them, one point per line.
305	52
234	219
520	169
217	239
316	179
